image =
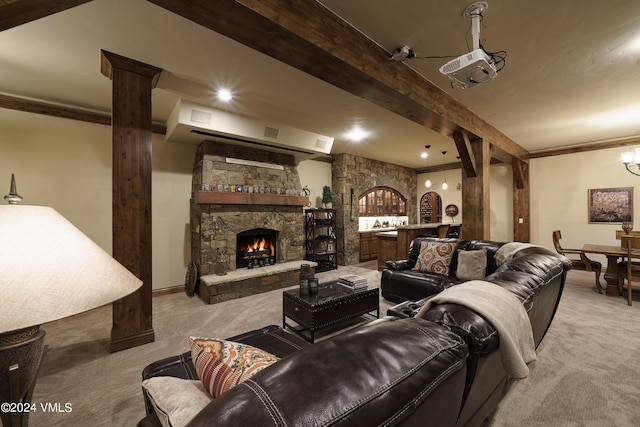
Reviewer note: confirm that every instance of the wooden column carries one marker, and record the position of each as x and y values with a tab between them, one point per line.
521	201
475	199
131	127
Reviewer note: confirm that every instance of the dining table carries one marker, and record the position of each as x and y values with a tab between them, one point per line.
613	254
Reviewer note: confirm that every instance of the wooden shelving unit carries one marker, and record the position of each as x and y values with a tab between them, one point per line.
320	235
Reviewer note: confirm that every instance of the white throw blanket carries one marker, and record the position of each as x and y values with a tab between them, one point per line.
508	250
504	311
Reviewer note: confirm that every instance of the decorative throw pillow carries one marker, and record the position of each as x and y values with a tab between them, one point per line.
176	400
435	257
222	364
472	265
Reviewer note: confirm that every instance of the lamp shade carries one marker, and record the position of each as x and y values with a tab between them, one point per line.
50	270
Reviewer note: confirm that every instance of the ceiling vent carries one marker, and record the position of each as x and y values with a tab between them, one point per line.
192	123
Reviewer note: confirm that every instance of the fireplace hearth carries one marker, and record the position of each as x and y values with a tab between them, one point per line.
256	247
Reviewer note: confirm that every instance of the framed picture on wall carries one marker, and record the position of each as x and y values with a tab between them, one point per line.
607	205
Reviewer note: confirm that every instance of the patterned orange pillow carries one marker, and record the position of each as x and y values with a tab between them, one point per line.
222	364
435	257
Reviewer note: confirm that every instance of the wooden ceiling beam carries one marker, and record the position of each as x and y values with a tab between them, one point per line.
63	112
466	153
309	37
18	12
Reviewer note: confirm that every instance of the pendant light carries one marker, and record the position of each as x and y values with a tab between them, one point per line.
444	174
427	183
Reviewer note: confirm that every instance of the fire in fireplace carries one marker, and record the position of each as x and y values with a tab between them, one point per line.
257	246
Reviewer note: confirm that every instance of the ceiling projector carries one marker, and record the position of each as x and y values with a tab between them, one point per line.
469	69
477	66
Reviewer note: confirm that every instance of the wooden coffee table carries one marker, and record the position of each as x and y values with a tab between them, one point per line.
331	306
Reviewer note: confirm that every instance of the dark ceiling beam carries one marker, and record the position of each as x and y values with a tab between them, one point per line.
18	12
47	109
309	37
585	148
439	168
466	153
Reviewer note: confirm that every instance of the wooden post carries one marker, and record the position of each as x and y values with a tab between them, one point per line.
521	197
131	127
475	200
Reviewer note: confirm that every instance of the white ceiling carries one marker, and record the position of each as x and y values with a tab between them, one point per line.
572	74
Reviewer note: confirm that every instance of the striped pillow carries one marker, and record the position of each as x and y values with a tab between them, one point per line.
222	364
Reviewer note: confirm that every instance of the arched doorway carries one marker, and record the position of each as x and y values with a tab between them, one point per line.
430	207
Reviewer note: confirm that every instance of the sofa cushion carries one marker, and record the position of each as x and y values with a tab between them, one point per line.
435	257
175	400
472	265
222	364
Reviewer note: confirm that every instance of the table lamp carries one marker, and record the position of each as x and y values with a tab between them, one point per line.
49	270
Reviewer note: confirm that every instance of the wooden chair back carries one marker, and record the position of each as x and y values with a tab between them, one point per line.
556	242
629	243
443	229
635	243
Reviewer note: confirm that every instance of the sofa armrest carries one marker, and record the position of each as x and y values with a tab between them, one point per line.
403	264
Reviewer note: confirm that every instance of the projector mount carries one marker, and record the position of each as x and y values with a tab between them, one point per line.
473	12
470	69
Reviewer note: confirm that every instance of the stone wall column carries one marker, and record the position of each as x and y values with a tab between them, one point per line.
361	174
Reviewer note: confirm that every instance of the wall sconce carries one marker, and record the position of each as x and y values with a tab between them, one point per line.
631	156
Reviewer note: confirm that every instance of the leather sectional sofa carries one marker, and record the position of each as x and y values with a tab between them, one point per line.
534	274
422	364
401	282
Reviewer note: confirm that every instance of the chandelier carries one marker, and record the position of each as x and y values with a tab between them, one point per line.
631	158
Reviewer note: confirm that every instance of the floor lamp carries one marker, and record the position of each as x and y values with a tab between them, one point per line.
49	270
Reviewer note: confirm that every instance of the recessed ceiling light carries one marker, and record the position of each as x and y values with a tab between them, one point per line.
424	155
224	95
357	134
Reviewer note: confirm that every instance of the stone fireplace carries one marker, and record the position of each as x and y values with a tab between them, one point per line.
266	201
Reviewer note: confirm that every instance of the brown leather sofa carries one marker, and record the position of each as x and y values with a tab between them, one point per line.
443	369
401	283
534	274
345	380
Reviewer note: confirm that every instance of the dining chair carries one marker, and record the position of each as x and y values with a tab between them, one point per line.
443	230
581	263
627	269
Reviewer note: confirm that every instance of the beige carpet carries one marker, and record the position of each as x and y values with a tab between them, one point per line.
585	375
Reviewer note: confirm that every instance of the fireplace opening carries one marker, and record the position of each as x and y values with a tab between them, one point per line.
256	247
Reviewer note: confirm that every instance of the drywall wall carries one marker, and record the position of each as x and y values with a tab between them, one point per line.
559	197
66	165
314	175
500	192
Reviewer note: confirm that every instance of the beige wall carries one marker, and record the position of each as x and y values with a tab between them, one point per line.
559	196
66	164
315	175
449	196
501	202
